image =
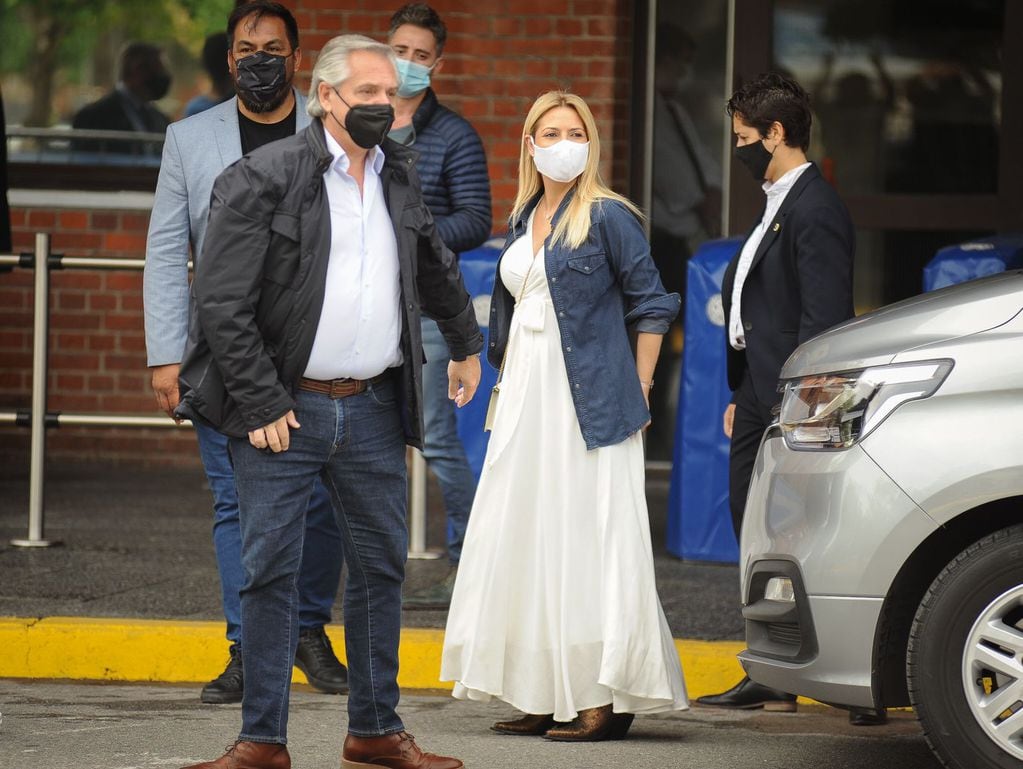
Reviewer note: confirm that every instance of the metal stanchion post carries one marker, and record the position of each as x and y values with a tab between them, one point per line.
40	331
417	510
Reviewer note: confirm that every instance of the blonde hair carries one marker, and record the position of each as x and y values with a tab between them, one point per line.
590	189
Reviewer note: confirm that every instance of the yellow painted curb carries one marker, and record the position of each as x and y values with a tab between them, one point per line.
177	651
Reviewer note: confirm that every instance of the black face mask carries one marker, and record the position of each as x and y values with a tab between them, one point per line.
262	81
756	157
367	124
157	85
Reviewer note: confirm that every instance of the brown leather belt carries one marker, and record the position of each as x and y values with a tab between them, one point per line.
339	388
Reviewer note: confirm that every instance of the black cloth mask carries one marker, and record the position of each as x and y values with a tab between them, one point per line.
262	80
157	86
756	157
367	124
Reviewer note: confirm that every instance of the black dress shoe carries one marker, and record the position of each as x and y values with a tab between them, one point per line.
228	686
867	717
747	695
315	657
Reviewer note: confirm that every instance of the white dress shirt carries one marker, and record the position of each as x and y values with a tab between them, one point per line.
776	193
359	333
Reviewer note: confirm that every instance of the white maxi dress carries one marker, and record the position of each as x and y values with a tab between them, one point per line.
555	608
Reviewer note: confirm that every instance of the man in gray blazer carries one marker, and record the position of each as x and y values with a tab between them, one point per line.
263	55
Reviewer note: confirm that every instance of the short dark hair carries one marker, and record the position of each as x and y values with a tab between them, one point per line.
772	97
421	15
672	41
261	8
137	57
214	56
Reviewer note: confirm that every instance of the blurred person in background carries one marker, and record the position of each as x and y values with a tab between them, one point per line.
143	78
686	210
221	83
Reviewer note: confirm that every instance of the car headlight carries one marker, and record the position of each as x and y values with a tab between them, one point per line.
834	411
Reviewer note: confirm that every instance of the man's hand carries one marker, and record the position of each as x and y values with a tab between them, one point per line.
463	379
165	386
728	420
275	436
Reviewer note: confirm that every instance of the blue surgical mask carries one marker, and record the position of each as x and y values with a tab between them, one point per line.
414	78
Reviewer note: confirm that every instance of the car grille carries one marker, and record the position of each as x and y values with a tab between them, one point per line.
784	633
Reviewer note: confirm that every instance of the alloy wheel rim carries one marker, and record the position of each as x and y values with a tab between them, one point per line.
993	671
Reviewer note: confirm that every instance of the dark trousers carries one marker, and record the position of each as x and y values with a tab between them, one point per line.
752	417
671	255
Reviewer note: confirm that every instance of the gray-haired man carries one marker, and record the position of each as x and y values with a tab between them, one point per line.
305	349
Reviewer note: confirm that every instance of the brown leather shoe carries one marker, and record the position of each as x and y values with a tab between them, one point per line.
395	751
527	726
250	755
593	725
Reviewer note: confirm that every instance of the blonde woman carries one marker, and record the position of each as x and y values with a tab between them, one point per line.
554	609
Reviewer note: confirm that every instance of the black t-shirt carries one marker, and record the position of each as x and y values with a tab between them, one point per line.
255	135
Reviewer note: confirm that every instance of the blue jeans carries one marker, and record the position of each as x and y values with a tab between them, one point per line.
356	445
321	566
442	447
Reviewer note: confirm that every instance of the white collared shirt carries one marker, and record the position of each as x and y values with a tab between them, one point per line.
359	333
776	193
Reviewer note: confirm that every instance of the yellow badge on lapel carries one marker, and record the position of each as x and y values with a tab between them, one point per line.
777	226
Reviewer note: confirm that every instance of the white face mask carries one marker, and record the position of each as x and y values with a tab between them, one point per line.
563	161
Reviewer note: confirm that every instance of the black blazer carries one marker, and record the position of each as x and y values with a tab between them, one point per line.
799	284
110	114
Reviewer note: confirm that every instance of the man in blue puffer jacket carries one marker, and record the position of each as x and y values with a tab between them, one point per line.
456	189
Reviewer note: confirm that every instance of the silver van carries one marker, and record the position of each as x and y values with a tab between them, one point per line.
882	546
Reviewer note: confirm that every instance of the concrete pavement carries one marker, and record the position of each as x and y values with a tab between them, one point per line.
133	595
53	725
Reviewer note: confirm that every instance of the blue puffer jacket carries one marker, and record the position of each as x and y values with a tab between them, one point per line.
453	171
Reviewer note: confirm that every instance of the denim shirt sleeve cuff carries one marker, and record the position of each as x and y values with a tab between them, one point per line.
462	333
654	316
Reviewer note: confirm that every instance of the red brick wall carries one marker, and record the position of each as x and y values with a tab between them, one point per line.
500	56
97	361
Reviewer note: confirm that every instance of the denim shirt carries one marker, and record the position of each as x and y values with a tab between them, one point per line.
601	290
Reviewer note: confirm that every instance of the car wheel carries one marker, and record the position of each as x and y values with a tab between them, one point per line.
965	659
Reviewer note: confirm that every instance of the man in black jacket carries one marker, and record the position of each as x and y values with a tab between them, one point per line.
305	349
791	280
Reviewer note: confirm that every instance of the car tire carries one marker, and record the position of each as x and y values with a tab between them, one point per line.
968	626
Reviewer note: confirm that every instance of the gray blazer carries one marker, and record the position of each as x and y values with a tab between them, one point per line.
195	151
